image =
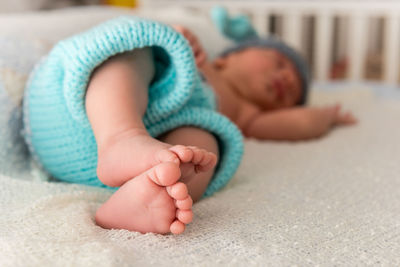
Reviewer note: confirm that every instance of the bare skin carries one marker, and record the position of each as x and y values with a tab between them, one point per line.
158	180
265	88
260	88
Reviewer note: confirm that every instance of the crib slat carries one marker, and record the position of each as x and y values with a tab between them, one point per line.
392	47
357	46
261	23
292	29
323	40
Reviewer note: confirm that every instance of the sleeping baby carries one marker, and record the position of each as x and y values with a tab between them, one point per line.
262	84
122	106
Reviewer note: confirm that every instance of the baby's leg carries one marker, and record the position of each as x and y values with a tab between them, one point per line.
116	101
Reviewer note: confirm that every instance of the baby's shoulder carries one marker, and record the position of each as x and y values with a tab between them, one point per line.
247	112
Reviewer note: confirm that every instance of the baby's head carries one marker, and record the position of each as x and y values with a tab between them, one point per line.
266	72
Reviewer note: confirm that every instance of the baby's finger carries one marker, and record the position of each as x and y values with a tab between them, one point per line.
191	39
330	114
346	119
332	108
201	58
337	107
179	28
196	48
350	119
336	113
200	55
189	36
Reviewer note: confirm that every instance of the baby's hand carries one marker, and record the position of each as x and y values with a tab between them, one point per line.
322	119
198	51
341	118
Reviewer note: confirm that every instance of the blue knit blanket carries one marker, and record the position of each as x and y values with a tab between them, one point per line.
57	129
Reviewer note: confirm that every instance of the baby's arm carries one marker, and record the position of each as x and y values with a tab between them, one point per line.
297	123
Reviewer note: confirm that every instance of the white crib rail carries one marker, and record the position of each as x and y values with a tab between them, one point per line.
324	11
323	45
392	47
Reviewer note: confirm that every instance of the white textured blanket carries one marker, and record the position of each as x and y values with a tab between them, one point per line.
331	201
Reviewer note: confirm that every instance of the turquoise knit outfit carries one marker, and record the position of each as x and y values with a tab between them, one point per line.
57	129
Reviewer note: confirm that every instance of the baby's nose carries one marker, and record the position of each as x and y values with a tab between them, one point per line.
284	76
290	75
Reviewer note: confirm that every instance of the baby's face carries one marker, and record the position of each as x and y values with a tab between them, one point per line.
265	77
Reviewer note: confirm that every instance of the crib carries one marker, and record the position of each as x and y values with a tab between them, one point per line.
362	35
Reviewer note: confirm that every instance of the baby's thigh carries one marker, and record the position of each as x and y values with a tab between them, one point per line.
140	59
137	64
192	136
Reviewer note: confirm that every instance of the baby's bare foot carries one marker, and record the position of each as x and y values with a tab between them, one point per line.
132	153
151	202
198	160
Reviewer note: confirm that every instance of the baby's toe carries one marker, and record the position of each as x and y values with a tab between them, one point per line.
178	191
208	162
177	227
184	204
199	155
184	216
165	155
165	174
184	153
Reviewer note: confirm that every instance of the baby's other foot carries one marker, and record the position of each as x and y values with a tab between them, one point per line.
134	152
152	202
195	160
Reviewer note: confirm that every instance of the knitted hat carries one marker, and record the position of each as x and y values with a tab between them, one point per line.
240	30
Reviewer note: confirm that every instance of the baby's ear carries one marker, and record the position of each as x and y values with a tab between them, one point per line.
220	62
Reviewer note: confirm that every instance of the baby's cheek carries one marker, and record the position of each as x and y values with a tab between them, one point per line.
266	98
291	100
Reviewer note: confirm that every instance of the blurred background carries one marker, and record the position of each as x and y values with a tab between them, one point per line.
27	5
341	39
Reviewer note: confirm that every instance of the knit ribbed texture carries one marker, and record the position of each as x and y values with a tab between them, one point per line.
57	129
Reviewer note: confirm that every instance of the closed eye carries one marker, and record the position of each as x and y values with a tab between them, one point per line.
281	63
